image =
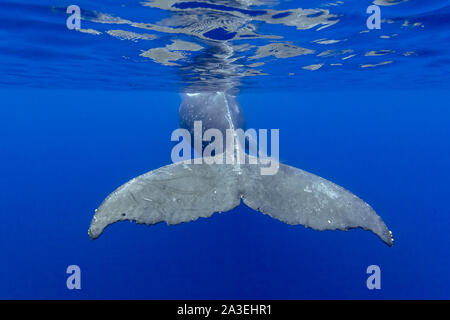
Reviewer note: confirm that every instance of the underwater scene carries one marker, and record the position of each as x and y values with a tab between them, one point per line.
225	149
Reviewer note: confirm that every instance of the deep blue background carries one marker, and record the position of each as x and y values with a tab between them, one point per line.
63	152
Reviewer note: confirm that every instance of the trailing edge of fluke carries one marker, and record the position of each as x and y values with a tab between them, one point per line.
184	192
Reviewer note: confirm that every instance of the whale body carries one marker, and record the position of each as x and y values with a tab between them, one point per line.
183	191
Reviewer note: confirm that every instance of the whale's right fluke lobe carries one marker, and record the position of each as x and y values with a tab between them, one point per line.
183	192
296	197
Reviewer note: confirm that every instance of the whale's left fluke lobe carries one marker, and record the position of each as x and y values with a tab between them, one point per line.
183	192
173	194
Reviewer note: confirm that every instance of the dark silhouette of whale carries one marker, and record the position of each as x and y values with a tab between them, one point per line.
183	192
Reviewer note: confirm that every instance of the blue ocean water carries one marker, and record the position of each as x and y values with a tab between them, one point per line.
83	111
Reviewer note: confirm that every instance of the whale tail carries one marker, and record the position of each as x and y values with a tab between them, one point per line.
183	192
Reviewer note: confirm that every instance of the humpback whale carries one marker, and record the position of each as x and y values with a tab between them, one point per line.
184	191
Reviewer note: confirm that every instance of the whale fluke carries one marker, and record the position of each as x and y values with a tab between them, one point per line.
183	192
